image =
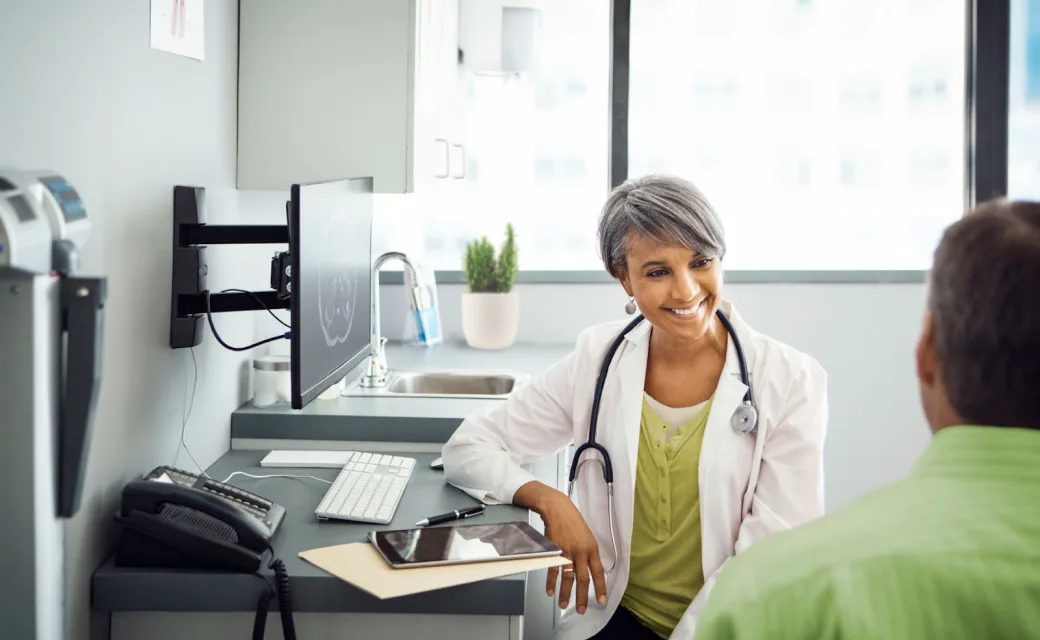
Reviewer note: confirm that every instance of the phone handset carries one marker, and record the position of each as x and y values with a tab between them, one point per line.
181	526
250	531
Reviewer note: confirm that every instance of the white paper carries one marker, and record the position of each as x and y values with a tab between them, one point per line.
177	27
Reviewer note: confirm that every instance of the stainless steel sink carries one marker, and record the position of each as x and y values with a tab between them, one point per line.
452	384
439	384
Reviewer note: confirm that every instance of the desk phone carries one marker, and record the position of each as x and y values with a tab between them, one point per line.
176	518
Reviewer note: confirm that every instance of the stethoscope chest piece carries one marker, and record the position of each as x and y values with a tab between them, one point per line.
745	418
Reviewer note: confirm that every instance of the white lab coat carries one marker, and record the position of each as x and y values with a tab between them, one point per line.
750	486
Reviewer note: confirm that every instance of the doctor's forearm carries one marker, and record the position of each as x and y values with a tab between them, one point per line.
537	497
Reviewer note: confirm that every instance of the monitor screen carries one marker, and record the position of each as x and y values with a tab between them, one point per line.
330	241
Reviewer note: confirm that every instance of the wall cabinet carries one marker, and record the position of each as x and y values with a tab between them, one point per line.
330	89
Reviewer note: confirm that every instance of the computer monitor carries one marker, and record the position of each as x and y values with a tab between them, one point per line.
330	244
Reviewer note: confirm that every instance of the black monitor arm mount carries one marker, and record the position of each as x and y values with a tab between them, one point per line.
188	292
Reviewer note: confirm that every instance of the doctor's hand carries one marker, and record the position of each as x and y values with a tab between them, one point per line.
565	526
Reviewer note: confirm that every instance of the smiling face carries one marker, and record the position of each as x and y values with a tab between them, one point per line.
661	238
678	290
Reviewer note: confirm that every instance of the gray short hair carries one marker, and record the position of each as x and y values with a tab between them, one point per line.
666	208
984	298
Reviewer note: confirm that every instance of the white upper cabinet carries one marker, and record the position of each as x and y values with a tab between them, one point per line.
332	89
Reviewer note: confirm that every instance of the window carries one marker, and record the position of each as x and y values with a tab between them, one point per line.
830	136
1024	101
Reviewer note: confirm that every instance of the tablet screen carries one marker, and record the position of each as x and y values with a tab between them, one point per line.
462	544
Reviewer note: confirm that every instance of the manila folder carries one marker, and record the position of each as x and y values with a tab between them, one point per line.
360	564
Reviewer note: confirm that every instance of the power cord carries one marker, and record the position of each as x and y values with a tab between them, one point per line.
275	475
213	328
187	414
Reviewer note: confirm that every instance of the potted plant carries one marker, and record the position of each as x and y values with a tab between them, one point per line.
491	309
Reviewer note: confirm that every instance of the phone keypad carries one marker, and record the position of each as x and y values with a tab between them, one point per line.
252	504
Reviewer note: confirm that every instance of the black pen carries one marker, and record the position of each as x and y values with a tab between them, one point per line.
458	514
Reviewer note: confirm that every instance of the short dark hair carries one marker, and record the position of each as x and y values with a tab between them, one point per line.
984	298
668	209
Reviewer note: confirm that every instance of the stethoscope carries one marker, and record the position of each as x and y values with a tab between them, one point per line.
744	419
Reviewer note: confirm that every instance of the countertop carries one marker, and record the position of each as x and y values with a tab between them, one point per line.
122	589
396	419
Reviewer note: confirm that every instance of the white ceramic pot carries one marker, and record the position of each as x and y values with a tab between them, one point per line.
490	320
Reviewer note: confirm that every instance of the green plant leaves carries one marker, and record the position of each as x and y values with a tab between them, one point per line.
485	273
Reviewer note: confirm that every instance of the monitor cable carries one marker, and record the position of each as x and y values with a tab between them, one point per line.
213	328
261	303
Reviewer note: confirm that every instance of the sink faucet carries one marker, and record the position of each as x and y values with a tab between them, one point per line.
375	375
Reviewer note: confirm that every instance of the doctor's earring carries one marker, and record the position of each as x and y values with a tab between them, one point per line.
630	306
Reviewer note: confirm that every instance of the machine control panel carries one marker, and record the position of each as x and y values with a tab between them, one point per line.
43	222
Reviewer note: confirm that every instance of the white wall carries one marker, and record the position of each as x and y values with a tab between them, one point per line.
82	93
864	335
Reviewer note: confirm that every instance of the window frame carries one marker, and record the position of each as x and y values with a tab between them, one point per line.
989	49
987	34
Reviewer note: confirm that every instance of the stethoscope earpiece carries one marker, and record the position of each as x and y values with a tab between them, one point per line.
744	419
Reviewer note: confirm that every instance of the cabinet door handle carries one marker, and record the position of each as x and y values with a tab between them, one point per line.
447	158
462	149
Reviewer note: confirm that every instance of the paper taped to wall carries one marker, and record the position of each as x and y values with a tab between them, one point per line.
177	27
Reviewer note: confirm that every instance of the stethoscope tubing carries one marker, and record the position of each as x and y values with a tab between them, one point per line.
591	445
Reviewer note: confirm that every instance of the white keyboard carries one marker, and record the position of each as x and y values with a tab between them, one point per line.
367	489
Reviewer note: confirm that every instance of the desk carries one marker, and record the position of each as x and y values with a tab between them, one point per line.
169	604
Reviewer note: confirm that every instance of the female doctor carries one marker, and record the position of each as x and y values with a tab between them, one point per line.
714	432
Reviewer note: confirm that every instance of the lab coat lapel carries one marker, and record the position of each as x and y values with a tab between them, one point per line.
719	430
719	433
631	378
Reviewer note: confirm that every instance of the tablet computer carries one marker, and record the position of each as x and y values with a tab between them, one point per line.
435	546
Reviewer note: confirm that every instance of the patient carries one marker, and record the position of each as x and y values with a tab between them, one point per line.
952	551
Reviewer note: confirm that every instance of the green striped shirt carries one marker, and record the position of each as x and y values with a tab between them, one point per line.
951	552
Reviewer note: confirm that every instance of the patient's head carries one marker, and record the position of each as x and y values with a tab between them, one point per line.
978	359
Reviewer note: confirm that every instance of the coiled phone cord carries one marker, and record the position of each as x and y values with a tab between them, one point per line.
260	620
284	604
284	599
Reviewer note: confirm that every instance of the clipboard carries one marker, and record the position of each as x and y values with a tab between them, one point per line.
360	564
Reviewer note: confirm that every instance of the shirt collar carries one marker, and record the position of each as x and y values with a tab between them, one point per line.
973	451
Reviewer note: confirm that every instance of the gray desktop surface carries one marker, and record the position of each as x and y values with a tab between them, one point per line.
313	590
